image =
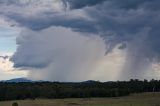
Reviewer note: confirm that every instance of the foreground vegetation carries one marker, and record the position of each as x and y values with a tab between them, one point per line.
141	99
55	90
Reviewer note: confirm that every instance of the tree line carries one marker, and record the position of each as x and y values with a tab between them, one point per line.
50	90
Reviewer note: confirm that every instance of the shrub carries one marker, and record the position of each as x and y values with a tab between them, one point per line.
15	104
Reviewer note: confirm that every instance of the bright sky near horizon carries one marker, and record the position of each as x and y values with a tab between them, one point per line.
7	48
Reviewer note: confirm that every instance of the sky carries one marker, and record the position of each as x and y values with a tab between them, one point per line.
77	40
7	44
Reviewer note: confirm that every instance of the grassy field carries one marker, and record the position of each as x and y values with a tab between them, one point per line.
143	99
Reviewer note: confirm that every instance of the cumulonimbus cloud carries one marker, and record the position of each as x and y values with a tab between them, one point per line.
132	24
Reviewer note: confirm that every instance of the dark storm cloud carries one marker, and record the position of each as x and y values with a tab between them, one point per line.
45	21
77	4
124	23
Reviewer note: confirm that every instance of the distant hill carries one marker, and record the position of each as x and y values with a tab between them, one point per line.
16	80
90	81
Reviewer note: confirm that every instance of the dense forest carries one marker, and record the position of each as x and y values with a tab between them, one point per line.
16	91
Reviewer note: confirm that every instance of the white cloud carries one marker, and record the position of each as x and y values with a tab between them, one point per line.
7	71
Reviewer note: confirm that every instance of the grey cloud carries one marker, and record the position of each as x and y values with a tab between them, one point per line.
135	23
40	23
8	2
139	22
4	57
124	23
58	53
77	4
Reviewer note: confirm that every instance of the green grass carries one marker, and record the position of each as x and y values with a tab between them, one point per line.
143	99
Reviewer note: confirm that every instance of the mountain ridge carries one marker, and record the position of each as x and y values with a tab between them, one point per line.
23	79
16	80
